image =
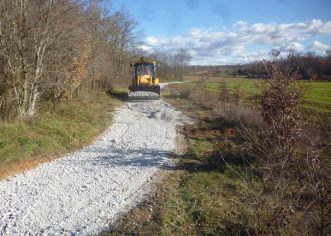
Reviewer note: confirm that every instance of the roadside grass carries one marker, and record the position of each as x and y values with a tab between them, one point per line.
206	204
53	132
211	199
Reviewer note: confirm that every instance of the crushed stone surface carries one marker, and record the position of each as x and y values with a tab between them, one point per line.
81	193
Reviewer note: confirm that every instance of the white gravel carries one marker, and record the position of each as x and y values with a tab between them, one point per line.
143	94
81	193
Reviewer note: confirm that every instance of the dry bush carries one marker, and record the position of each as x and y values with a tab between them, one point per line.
237	95
230	108
239	114
185	93
295	186
228	95
316	183
280	107
274	145
224	92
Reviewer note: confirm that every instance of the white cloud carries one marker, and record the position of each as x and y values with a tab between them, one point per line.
294	47
152	41
145	49
241	25
318	46
209	45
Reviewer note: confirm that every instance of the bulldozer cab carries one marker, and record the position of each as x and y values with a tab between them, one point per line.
145	69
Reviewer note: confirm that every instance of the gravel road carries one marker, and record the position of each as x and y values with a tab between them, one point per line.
81	193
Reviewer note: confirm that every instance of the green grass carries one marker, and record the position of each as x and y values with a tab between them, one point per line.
69	126
318	92
317	97
248	86
206	203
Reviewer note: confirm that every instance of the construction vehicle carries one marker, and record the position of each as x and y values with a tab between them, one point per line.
145	82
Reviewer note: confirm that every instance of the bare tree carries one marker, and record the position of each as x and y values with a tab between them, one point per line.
54	49
181	60
125	37
28	28
172	66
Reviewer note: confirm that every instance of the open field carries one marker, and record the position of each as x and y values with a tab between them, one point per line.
317	98
25	143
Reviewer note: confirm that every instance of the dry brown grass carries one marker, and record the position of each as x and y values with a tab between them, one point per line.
196	78
145	218
237	111
25	165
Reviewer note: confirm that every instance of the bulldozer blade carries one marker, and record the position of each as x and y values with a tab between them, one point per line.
146	88
144	92
143	95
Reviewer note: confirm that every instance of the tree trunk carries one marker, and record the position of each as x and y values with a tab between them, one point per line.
33	101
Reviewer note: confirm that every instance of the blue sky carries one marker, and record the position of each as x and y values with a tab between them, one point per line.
233	31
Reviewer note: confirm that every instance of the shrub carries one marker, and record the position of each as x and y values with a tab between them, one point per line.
185	93
294	183
280	107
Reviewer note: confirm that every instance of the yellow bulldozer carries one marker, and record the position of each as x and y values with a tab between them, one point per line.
145	82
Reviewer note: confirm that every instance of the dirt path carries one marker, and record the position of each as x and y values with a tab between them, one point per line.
81	192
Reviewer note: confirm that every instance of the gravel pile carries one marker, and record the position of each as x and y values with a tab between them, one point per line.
143	95
81	193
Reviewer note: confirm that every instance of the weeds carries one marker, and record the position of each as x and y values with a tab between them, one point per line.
185	93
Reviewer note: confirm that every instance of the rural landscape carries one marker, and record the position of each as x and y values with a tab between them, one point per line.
135	118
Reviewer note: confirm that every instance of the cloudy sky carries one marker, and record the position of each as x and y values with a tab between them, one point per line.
232	31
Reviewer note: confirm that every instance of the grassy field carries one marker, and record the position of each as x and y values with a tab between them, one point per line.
25	143
317	98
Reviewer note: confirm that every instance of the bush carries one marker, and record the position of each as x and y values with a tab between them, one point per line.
295	187
185	93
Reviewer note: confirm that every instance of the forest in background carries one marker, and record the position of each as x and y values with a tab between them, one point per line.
310	66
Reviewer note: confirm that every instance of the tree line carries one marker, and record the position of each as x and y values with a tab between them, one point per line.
172	65
57	50
309	66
